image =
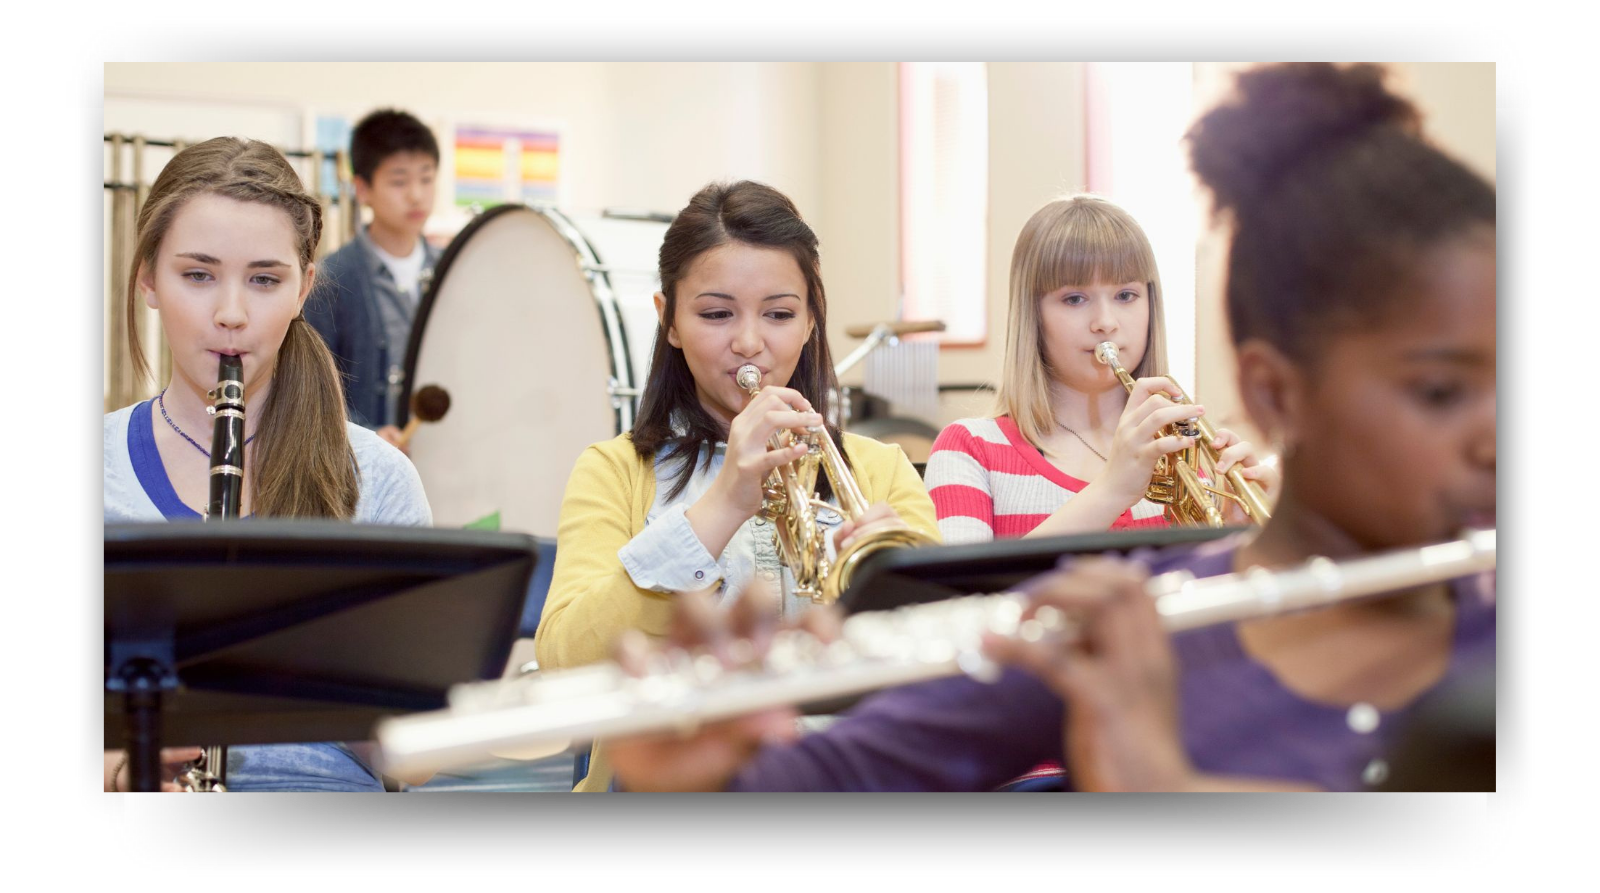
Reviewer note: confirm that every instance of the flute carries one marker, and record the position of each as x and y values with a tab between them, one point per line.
545	714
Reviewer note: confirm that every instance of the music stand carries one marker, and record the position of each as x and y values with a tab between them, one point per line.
895	577
291	630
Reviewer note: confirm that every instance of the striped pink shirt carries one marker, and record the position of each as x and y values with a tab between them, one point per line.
988	482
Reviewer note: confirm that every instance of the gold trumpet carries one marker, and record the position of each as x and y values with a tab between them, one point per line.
1176	483
790	503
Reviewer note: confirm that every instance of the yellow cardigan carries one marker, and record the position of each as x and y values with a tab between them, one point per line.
592	599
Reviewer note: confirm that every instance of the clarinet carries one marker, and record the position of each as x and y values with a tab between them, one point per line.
209	774
549	711
227	441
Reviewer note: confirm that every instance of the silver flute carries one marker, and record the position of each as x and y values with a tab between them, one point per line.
546	713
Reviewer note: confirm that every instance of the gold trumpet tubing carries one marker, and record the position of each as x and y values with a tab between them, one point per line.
1199	502
1246	492
1163	487
804	555
851	500
793	528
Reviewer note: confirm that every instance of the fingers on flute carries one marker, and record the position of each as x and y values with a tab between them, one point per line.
824	622
632	652
695	623
754	613
766	727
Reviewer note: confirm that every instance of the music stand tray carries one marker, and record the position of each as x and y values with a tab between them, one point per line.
895	577
291	630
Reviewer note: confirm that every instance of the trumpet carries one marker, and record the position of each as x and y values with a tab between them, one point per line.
876	649
790	503
1176	482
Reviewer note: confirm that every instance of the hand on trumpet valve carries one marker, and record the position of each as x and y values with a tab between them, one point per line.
751	456
705	757
1115	672
880	516
1139	442
1233	450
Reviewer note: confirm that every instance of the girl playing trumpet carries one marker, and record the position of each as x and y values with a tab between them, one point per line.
673	505
1071	450
1361	301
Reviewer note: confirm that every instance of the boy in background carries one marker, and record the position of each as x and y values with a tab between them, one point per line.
370	288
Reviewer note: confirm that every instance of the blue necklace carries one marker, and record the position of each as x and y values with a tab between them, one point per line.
161	401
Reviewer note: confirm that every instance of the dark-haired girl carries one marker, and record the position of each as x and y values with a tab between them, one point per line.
672	506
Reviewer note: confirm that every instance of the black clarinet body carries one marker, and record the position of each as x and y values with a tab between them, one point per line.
227	441
210	773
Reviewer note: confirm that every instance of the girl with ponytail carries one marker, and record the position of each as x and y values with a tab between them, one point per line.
226	247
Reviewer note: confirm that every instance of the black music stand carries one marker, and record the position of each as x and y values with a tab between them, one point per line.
276	631
895	577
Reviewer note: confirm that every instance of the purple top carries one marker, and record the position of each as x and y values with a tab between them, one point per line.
958	734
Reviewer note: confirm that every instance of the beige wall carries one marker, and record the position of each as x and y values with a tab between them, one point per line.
642	135
1036	152
645	134
1457	101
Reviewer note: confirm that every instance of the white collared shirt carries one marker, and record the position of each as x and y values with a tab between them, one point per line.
666	556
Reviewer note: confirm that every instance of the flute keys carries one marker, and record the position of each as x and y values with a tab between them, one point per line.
741	652
935	651
978	667
1051	618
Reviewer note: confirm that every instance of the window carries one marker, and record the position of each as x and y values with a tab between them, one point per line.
944	196
1137	115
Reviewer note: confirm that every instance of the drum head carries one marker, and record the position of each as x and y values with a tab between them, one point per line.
512	330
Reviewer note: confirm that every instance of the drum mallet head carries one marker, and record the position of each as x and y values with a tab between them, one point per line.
428	404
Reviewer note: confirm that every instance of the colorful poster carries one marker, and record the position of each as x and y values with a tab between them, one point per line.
494	166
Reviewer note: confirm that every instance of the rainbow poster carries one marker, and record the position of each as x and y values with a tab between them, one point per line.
494	166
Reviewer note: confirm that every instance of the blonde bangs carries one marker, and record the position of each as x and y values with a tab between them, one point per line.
1082	240
1088	241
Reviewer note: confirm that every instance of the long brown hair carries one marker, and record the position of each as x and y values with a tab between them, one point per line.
301	465
752	214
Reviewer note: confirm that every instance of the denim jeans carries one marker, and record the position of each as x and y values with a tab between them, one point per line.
323	766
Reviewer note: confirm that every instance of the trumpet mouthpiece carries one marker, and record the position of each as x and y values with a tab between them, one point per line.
748	377
1106	353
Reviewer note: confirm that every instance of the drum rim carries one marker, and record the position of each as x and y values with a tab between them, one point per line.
610	314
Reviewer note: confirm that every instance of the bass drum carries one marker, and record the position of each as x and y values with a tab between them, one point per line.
540	332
